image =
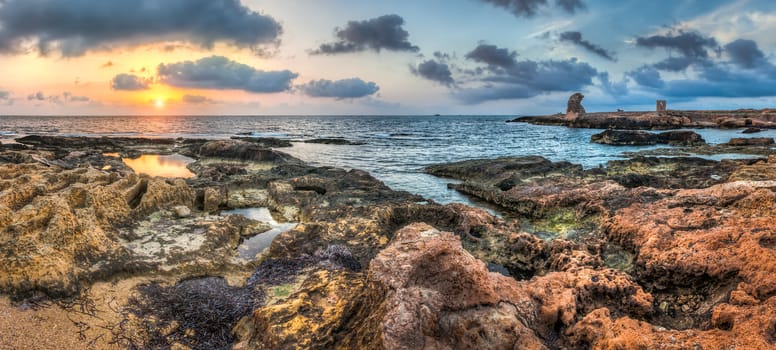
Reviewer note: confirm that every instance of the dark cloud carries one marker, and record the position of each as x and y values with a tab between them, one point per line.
73	27
529	8
38	96
434	71
339	89
195	99
5	98
506	78
745	53
441	56
647	76
65	97
381	33
615	89
689	44
493	56
74	98
676	64
218	72
747	74
129	82
571	6
576	38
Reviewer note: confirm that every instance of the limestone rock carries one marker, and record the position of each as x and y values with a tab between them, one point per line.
574	107
182	211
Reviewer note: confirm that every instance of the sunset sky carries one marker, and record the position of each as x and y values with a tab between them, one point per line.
131	57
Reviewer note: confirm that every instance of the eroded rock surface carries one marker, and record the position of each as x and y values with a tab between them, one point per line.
642	252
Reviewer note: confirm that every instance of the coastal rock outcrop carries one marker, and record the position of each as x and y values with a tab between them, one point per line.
574	107
672	119
640	138
641	251
753	141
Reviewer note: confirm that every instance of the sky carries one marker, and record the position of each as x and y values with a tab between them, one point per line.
355	57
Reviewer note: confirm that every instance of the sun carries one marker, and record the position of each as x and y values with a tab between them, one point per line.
159	103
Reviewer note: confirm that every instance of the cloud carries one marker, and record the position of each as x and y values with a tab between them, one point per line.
576	38
339	89
493	56
65	97
571	6
196	99
107	64
688	44
221	73
529	8
38	96
748	73
5	98
381	33
74	27
506	78
647	76
676	64
74	98
745	53
615	89
434	71
129	82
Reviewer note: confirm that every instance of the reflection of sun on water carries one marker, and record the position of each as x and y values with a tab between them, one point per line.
164	166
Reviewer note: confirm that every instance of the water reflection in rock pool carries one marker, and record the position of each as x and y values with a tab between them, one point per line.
256	244
173	165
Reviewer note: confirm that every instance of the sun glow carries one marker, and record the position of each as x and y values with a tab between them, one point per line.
159	103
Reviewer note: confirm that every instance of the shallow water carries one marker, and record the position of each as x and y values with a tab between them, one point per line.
396	148
173	165
256	244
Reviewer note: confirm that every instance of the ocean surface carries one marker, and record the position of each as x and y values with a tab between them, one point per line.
395	149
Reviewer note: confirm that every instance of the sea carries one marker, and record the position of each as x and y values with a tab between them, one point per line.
395	149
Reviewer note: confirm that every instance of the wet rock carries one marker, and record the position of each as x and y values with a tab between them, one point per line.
241	150
621	137
751	130
265	142
754	141
333	141
636	137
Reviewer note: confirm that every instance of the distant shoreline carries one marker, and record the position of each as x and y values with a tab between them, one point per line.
670	119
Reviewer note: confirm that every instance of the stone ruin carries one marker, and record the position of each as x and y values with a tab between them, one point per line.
575	109
661	106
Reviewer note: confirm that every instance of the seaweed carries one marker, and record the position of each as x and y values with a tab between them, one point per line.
197	313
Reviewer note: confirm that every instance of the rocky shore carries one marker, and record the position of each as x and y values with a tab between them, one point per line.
641	253
666	120
662	119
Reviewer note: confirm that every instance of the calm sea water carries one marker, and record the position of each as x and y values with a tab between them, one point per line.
396	147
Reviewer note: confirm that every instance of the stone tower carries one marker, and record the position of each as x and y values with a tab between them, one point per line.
661	106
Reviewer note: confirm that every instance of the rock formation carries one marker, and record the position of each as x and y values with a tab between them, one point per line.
574	107
643	252
638	137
